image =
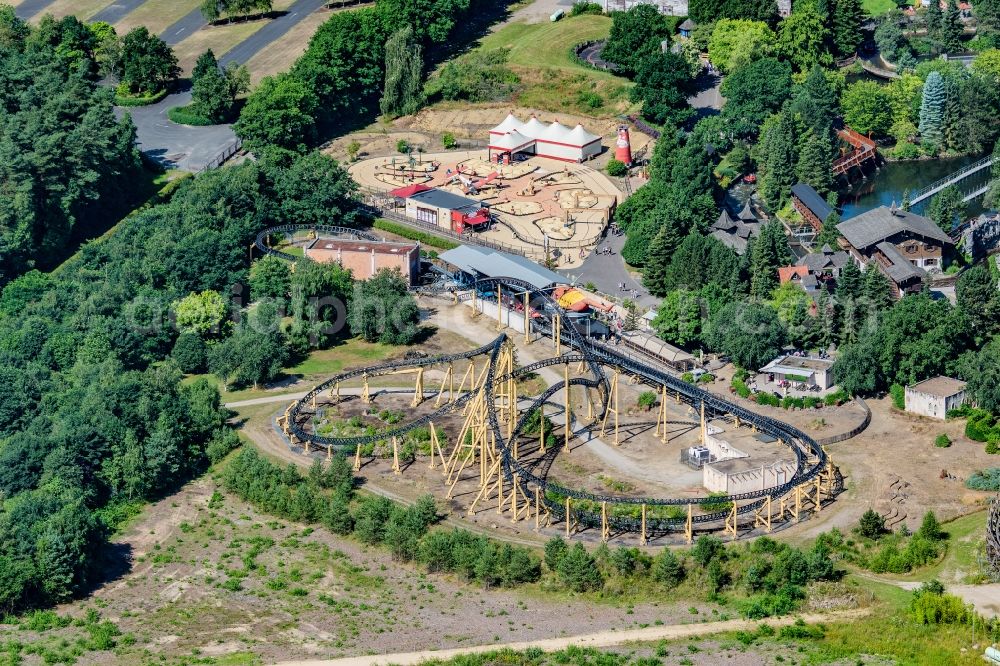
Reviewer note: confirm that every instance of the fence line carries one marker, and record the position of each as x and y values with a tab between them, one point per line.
222	157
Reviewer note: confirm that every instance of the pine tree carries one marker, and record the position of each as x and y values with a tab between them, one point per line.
660	252
877	289
930	528
951	29
816	102
778	161
815	161
847	17
770	251
935	20
850	284
932	109
404	67
952	132
829	234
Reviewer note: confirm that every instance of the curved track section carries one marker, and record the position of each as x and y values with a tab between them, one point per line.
811	459
261	241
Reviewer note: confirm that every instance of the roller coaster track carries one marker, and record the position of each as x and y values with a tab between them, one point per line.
261	241
993	539
811	459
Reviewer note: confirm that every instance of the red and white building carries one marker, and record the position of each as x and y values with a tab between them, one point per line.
555	141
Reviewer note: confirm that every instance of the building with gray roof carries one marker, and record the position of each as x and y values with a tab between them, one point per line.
736	233
903	245
479	262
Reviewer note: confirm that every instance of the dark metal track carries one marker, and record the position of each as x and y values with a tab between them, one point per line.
261	244
811	459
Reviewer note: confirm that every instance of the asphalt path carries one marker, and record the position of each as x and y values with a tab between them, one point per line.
116	11
607	272
176	146
184	27
29	8
193	148
275	28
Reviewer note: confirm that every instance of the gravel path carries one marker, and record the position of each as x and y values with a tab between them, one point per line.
594	640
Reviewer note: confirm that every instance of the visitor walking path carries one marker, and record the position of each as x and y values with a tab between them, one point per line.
607	272
29	8
595	640
116	11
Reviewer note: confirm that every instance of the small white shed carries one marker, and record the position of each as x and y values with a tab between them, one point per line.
935	397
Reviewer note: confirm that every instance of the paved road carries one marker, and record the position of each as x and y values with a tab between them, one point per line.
595	640
29	8
190	23
178	146
193	148
608	271
275	28
116	11
708	100
592	55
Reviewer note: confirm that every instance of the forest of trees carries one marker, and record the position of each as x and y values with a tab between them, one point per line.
93	414
337	83
64	157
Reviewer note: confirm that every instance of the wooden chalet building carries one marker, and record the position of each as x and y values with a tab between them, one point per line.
903	245
810	205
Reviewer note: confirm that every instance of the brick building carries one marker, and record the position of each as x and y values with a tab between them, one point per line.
365	258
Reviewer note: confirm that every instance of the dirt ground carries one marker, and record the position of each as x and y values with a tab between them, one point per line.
311	594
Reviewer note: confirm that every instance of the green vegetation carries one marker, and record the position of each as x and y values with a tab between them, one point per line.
882	552
987	479
942	441
423	237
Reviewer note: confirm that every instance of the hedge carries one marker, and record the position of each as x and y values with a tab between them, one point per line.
182	115
413	234
144	100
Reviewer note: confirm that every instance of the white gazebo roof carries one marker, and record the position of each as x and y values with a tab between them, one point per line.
556	132
581	137
510	123
510	141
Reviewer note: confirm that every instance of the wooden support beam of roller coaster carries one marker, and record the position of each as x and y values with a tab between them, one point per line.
762	516
366	395
642	534
568	411
395	456
556	328
418	387
661	416
689	527
731	526
605	528
447	381
357	459
435	447
612	408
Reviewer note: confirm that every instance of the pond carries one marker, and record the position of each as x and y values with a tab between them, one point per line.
889	184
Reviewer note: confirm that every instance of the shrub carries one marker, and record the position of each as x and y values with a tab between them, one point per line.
647	399
712	505
930	605
578	571
987	479
667	568
189	352
555	551
413	234
185	115
125	98
800	630
871	525
479	76
224	441
448	141
616	168
371	519
706	549
586	8
993	445
768	604
898	394
943	441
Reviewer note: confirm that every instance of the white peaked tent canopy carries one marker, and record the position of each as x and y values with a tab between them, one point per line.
581	137
509	124
533	128
512	140
556	132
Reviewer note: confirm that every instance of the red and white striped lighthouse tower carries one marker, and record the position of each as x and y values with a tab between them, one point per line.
623	148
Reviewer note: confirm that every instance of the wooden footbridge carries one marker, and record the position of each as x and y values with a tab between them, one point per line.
953	179
863	149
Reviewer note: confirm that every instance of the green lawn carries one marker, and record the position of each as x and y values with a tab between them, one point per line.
551	77
549	44
876	7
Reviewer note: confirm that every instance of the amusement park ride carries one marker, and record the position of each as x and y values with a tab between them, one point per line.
494	450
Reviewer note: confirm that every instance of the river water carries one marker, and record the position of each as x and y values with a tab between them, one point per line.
889	184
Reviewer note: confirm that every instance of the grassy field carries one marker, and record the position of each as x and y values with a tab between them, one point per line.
552	78
83	9
876	7
156	15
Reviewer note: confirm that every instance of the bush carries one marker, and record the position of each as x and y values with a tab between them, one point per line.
224	441
448	141
898	394
930	605
124	98
184	115
988	479
189	353
943	441
413	234
616	168
646	400
403	146
586	8
555	551
871	525
706	549
479	76
667	568
713	505
578	571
